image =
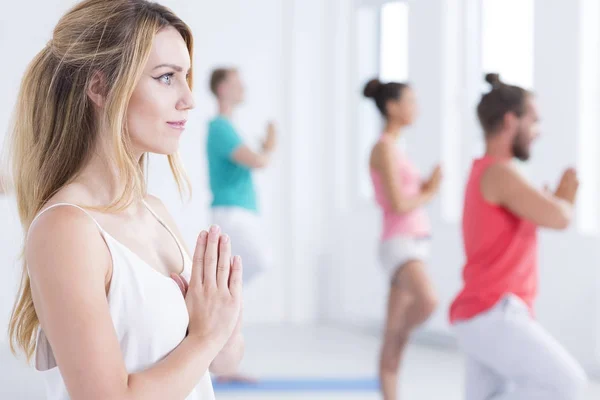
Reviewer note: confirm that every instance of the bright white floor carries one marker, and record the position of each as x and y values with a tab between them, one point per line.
283	352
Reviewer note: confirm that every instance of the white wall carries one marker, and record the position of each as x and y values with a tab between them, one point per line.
306	87
570	280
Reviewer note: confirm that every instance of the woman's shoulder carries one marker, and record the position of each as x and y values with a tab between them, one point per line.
383	150
63	228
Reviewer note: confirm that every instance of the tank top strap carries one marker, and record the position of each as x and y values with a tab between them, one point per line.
67	205
182	250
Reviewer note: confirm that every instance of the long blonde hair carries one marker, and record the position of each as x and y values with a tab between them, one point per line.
54	127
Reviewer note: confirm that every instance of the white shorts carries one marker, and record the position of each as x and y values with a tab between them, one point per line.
398	250
248	238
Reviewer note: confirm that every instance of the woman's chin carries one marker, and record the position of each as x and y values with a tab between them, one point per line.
164	150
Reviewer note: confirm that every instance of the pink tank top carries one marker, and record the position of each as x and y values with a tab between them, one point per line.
500	249
414	223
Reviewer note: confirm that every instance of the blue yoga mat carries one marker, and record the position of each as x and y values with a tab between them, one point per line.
301	385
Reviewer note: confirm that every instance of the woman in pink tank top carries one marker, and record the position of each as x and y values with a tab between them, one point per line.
404	247
509	354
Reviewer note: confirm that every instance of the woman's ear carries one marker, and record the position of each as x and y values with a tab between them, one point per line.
96	89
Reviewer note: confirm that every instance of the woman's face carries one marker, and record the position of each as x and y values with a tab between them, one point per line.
403	110
158	109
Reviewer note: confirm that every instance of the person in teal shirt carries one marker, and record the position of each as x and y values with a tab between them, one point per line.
230	165
230	181
230	161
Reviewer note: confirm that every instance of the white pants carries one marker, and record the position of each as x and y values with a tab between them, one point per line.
511	357
248	239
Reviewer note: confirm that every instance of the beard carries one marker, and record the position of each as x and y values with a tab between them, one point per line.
520	146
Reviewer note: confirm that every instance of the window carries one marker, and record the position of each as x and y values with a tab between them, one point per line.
394	42
589	122
508	52
369	121
382	51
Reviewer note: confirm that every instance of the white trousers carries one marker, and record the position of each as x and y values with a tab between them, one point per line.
511	357
248	238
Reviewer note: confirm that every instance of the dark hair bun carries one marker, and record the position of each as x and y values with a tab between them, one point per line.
493	79
372	87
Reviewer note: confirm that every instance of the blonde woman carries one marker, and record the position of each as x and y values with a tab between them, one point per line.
100	305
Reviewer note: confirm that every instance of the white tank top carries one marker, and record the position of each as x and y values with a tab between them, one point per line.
147	309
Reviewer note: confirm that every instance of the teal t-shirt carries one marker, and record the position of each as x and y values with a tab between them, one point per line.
231	184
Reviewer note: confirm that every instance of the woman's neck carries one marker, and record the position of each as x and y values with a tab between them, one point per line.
393	129
101	177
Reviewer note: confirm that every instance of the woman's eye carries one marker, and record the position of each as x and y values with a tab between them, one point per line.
166	78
